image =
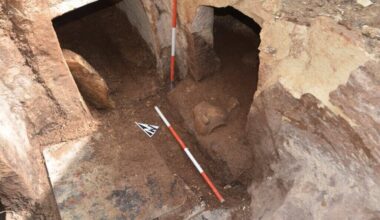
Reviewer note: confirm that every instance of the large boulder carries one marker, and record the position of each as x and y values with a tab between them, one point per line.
207	117
92	86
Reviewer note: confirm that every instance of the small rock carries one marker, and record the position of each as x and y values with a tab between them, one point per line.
364	3
91	85
227	186
203	203
371	32
320	3
270	50
207	117
232	103
148	103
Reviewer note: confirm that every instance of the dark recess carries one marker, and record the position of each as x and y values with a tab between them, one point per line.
83	12
2	211
239	16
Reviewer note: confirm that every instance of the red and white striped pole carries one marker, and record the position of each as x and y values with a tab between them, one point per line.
191	157
172	58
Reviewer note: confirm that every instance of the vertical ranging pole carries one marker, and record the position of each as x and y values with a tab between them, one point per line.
191	157
172	58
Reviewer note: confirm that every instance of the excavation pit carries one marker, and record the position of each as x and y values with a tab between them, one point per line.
131	168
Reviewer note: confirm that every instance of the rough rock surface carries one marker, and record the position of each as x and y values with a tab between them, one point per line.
207	117
92	86
38	100
49	95
314	123
316	166
203	61
24	186
359	99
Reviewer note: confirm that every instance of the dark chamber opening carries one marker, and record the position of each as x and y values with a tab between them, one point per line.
2	212
236	41
237	15
83	12
102	34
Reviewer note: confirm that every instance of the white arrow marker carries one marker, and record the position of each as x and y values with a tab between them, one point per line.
149	130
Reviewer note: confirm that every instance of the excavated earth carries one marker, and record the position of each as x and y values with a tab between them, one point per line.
119	172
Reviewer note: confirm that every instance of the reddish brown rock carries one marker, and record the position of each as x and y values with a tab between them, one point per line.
371	32
359	99
92	86
203	61
232	104
225	145
207	117
307	152
39	100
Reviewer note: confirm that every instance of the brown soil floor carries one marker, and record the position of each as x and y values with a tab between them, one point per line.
108	42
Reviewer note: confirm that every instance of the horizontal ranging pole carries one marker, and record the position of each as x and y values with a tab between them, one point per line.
189	155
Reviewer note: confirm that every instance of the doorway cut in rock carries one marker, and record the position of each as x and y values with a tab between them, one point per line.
100	33
214	102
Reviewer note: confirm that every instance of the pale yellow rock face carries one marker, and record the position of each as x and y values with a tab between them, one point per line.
60	7
258	10
315	59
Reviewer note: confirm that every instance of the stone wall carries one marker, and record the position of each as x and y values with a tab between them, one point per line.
24	184
53	105
40	104
153	21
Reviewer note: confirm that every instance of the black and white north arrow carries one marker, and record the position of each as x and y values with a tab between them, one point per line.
149	130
